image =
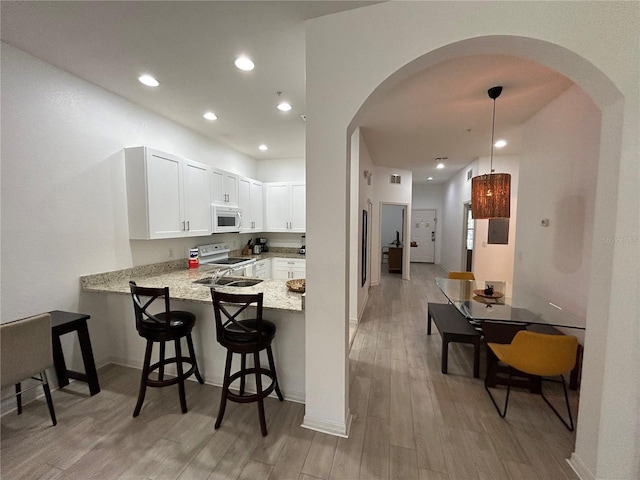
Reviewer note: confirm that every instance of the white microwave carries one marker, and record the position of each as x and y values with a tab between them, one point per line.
226	219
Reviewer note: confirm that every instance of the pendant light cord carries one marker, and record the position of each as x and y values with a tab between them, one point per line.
493	128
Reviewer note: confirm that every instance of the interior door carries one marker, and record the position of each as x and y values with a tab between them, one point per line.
423	236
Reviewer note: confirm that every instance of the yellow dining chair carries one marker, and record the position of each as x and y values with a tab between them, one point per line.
461	275
539	354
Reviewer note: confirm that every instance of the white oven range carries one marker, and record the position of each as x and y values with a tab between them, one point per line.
217	255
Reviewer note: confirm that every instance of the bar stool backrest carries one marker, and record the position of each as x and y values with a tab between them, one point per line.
143	316
231	329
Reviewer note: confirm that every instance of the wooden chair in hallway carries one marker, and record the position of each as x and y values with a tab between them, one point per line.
167	326
246	336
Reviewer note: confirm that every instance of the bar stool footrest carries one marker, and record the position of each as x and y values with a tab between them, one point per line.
234	397
173	380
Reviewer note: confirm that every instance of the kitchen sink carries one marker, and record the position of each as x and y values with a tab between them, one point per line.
230	281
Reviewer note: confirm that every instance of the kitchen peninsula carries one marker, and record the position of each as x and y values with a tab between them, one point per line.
109	295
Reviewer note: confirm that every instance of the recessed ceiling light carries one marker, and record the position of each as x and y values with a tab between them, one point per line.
429	179
148	80
284	106
244	63
210	116
263	147
500	143
440	166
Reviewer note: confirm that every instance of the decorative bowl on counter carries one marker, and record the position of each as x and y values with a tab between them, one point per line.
296	285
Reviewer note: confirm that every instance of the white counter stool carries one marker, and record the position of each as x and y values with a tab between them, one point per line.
247	336
170	325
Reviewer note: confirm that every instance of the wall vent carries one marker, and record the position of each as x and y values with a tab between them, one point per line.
395	178
469	174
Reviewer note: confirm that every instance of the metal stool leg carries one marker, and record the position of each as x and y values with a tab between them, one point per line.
47	394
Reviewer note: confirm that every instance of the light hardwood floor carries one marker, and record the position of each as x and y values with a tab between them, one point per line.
410	421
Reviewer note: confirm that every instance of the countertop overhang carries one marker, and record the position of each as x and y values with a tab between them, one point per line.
180	281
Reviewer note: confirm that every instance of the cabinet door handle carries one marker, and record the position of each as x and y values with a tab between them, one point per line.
188	227
183	226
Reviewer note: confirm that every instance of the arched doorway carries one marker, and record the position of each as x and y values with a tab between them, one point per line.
334	98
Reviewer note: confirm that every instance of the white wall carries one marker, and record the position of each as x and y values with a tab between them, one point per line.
281	170
365	195
490	262
389	193
427	196
63	182
391	42
457	192
558	172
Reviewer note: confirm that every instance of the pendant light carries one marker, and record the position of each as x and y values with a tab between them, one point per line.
491	193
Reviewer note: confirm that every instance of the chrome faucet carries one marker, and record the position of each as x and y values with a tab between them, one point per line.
218	275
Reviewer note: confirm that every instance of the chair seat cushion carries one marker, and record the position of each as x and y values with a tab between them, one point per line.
237	334
181	323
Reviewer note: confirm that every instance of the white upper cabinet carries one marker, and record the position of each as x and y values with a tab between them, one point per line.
197	198
167	196
257	205
285	207
224	188
250	200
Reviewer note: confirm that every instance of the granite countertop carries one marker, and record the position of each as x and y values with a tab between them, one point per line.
180	280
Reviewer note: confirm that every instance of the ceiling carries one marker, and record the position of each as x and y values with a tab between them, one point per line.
190	47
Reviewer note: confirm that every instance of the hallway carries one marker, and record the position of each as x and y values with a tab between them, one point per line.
411	421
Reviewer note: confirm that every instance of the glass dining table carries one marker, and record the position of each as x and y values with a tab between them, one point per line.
499	318
498	308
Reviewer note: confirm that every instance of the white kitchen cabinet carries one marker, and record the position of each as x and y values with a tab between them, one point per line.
224	188
197	198
250	200
167	196
288	268
262	268
285	207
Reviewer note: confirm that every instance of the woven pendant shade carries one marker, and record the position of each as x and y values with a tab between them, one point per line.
491	193
491	196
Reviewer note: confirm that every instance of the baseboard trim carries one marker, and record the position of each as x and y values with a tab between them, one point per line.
289	395
578	466
327	426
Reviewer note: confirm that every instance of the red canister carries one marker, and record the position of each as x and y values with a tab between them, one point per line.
193	258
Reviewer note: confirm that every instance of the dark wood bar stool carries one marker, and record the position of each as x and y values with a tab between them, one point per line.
247	336
167	326
67	322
